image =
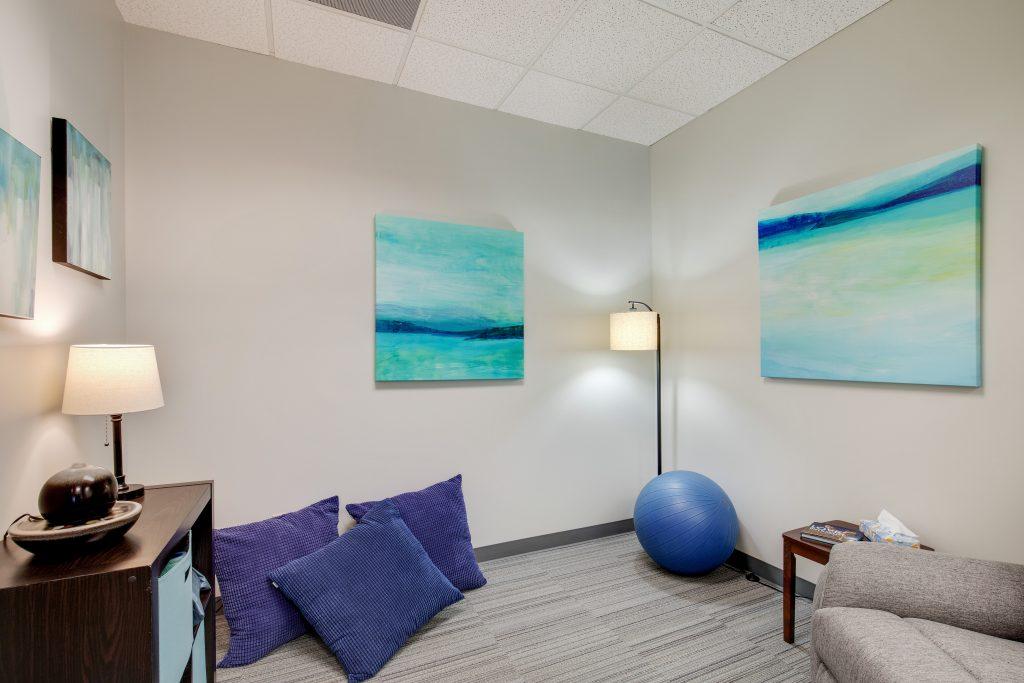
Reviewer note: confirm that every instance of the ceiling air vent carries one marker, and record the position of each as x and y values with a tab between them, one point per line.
395	12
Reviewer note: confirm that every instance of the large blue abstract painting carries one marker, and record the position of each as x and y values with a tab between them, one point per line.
877	280
449	301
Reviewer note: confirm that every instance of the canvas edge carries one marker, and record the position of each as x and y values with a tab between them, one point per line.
59	196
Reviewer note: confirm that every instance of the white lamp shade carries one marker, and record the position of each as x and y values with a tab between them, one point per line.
110	379
634	331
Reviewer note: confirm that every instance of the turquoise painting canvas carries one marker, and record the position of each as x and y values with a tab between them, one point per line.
877	280
19	221
449	301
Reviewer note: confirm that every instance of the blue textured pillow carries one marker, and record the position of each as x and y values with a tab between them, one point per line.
368	591
437	517
261	619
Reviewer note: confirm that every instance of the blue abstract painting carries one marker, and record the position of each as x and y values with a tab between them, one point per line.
877	280
19	222
449	301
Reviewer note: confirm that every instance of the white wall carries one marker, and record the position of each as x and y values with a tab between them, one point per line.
61	59
914	79
252	189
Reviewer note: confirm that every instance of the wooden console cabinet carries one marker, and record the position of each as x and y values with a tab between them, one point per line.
95	615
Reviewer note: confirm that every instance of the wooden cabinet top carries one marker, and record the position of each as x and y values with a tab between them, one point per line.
168	512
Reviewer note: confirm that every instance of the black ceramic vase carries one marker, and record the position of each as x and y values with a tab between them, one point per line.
77	494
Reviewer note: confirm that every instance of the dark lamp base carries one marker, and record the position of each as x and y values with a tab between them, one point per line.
131	491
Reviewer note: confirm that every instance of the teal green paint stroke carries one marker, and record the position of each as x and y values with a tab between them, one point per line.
88	222
20	170
450	278
402	357
893	297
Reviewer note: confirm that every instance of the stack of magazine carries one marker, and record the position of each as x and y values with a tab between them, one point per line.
820	532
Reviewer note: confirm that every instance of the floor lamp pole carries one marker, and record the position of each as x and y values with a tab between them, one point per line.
658	381
657	360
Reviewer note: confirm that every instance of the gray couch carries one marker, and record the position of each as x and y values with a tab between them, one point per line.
892	614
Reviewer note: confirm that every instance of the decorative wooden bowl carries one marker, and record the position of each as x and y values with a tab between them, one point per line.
36	535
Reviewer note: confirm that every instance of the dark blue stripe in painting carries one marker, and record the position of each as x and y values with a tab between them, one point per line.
405	327
957	180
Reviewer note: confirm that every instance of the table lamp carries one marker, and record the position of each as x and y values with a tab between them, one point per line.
113	379
636	330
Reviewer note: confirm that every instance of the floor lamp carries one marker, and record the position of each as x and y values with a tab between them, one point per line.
638	330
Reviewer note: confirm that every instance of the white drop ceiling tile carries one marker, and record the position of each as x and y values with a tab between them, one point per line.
789	27
235	23
709	70
513	31
636	121
611	44
457	74
307	33
556	100
702	11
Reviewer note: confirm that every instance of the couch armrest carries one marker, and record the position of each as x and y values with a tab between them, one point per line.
978	595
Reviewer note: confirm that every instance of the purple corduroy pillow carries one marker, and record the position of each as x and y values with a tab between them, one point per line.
436	516
260	618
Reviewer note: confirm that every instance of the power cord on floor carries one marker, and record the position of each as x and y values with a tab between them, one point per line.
754	578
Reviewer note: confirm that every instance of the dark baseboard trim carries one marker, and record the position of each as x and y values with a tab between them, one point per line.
742	562
559	538
739	560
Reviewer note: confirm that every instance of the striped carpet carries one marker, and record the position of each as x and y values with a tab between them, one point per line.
593	611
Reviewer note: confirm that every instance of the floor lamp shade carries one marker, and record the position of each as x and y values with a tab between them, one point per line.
111	379
634	331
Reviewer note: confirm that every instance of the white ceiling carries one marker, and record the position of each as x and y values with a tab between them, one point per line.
629	69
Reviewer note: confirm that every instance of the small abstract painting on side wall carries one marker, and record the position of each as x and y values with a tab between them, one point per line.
877	280
449	301
19	224
81	203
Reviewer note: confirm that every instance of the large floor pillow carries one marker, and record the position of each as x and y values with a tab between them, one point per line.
260	618
368	591
436	515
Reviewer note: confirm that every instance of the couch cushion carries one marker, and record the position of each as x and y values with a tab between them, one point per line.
986	657
870	645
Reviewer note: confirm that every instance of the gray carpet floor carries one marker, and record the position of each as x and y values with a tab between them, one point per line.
594	611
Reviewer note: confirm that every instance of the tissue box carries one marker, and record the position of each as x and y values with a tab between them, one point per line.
874	530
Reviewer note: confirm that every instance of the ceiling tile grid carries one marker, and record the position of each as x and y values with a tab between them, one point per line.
789	27
556	100
456	74
636	121
701	11
635	70
328	39
612	44
513	31
235	23
708	71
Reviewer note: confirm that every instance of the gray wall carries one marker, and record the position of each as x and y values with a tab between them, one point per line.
252	189
60	59
913	79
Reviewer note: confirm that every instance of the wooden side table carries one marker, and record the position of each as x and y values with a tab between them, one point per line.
793	545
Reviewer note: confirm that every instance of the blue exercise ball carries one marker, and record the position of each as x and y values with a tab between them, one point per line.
685	522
